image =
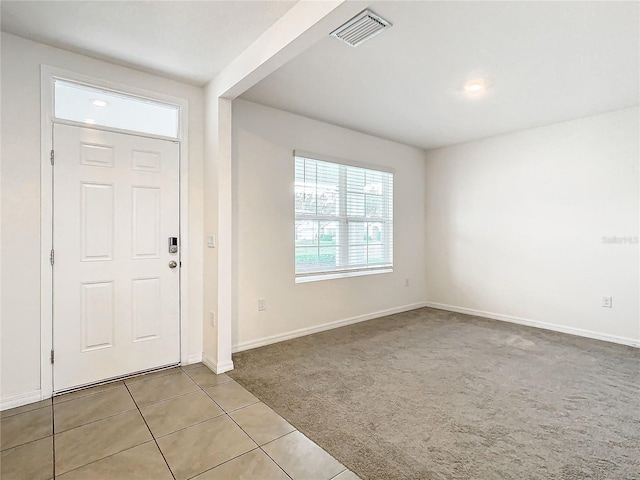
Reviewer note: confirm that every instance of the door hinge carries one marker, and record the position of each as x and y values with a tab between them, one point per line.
52	356
52	257
52	157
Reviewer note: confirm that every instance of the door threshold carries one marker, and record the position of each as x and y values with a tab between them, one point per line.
115	379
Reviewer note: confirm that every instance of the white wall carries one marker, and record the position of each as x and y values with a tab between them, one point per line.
515	226
20	213
263	144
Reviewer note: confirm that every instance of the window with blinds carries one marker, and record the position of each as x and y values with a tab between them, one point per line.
344	219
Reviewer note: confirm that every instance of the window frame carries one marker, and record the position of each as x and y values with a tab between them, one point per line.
343	219
127	95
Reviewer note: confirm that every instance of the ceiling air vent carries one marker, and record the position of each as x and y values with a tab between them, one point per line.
361	28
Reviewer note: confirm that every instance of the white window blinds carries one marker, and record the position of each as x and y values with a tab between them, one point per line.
344	218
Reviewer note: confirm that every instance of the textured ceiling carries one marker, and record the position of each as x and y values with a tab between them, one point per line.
544	62
187	40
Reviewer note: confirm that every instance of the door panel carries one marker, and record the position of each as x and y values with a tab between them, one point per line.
96	222
146	309
97	321
146	222
116	300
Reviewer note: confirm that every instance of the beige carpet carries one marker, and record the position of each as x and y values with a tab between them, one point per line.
429	394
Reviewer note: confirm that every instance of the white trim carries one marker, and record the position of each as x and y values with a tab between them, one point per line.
21	399
314	277
46	234
104	128
47	76
217	368
321	328
631	342
194	358
342	161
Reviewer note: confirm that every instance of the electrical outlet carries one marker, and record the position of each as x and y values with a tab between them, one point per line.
262	304
607	302
212	318
406	282
211	241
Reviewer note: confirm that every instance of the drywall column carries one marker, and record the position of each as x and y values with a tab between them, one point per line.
297	30
217	221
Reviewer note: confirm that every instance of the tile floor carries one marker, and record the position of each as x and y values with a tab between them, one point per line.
180	423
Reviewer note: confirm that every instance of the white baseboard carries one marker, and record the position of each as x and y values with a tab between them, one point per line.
194	358
631	342
20	399
261	342
218	369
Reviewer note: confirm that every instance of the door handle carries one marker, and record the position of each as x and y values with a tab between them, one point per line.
173	264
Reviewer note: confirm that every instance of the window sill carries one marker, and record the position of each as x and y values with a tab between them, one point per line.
331	276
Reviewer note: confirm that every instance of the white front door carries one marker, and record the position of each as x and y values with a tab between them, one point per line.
116	300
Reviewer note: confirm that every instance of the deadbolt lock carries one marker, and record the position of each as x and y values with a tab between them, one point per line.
173	244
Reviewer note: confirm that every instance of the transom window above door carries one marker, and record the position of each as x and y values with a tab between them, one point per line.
94	106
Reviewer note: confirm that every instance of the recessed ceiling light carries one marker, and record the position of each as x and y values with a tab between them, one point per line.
475	87
89	120
99	103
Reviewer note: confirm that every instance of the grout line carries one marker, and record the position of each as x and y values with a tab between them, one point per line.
153	376
189	366
33	439
24	413
288	433
273	459
95	421
165	399
244	406
224	413
207	386
151	433
121	378
189	426
5	416
25	443
235	409
108	456
113	385
53	438
136	407
336	476
155	439
227	461
295	428
271	441
260	446
111	416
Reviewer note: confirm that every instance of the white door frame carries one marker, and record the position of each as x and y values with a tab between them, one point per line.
48	75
